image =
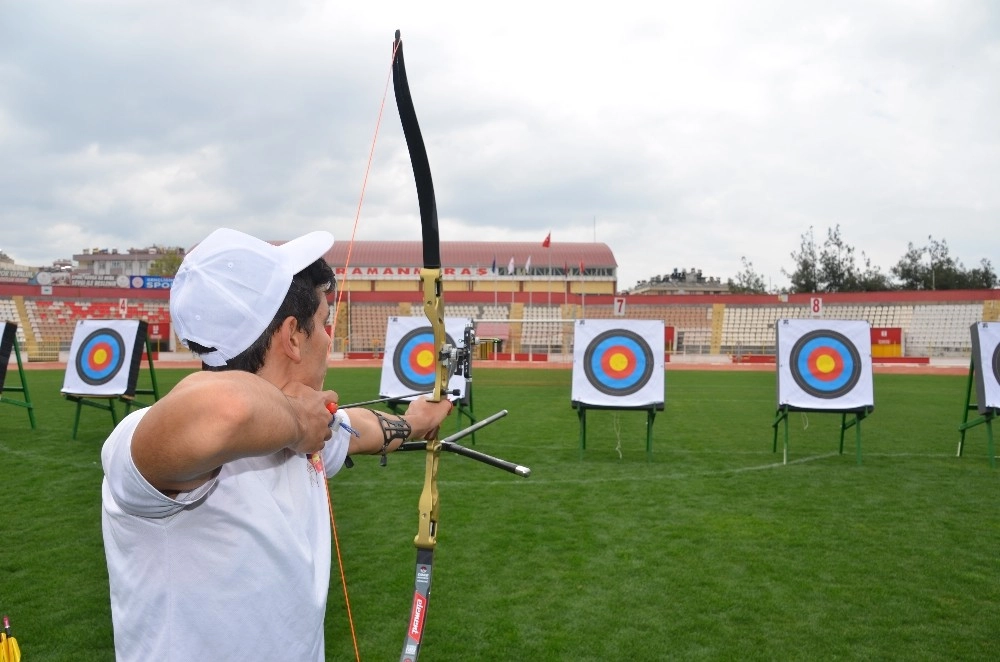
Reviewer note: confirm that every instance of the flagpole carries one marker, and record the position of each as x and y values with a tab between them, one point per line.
494	274
510	272
531	289
565	283
546	244
549	286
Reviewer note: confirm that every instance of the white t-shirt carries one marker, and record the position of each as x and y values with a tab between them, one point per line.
235	570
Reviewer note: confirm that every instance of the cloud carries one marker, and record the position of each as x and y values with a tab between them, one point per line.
681	134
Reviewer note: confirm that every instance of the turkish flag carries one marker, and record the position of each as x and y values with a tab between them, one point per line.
548	240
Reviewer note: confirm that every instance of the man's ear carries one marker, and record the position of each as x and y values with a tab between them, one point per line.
288	340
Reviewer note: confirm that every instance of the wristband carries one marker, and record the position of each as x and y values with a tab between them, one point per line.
396	428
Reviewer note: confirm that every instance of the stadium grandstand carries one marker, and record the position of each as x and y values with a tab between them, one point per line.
522	293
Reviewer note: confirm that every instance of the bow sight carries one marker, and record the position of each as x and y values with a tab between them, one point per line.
462	356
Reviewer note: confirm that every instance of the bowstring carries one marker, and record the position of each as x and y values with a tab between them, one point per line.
364	187
333	334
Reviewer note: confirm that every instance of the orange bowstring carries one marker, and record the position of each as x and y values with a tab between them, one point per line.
364	186
333	332
343	577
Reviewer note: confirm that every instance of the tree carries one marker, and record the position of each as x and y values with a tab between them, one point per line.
834	267
805	278
747	281
983	278
931	267
910	271
837	272
871	278
166	265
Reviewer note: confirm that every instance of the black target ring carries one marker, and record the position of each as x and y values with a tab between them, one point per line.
414	360
618	362
101	357
825	364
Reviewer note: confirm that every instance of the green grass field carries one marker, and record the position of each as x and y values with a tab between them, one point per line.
709	550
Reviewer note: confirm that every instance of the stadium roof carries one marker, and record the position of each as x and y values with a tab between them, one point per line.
473	253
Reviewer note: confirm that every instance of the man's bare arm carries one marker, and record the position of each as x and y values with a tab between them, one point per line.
211	418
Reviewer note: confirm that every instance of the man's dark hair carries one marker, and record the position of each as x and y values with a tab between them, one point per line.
301	302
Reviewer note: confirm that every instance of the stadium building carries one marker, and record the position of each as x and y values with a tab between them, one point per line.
521	292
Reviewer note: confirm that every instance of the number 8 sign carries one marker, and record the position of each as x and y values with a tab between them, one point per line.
816	306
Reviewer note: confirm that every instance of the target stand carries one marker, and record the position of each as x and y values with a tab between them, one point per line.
104	365
781	416
618	365
984	372
581	413
8	342
824	366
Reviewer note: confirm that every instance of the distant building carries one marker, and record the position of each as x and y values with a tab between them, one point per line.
568	268
681	282
11	272
110	262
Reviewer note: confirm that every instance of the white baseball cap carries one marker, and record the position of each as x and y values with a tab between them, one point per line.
230	286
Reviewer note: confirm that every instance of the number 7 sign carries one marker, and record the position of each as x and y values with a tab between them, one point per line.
619	310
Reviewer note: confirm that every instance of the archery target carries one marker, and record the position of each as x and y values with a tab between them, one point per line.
986	364
824	364
618	363
410	363
104	357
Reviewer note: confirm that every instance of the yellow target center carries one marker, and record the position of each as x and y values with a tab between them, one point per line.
826	364
425	358
100	356
618	362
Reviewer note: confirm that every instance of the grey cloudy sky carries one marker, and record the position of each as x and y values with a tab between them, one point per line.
682	134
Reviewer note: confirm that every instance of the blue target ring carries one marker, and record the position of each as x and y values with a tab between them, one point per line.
825	364
618	362
414	361
101	357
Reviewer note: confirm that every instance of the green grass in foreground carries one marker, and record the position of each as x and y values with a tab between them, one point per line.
712	549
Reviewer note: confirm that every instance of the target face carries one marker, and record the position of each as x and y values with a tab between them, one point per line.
825	364
618	362
414	361
101	357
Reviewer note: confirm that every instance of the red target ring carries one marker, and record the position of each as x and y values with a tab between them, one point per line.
825	365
